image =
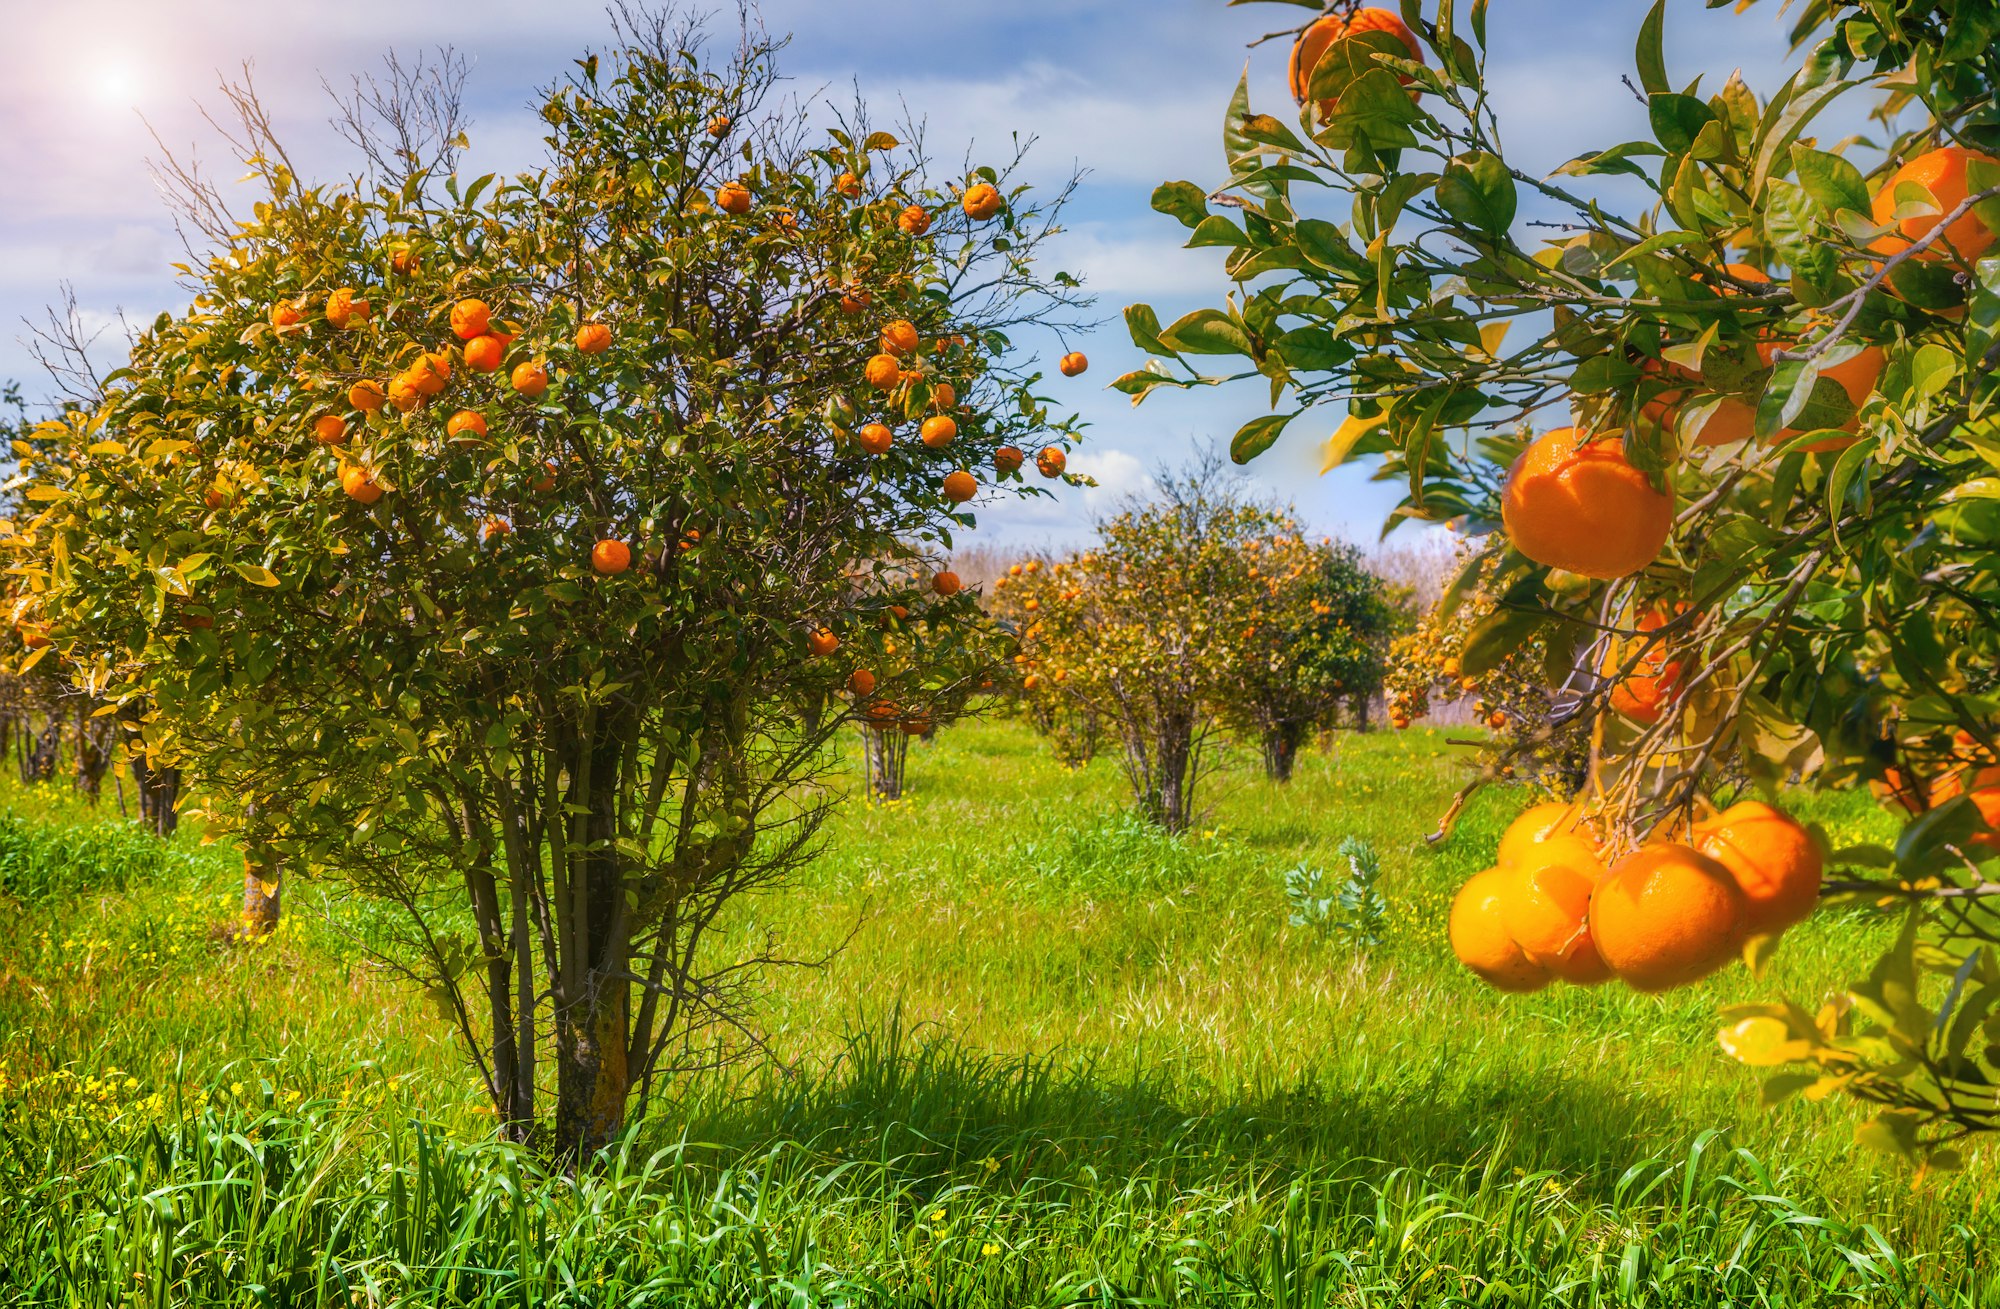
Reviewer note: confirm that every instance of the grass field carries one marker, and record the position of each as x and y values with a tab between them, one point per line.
1061	1060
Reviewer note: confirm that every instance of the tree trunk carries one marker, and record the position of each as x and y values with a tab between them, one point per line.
1169	801
1281	750
593	1077
1362	704
263	879
159	794
39	764
886	751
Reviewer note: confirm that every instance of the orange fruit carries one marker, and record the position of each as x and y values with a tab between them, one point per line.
884	372
1479	935
883	711
610	556
404	392
959	486
733	198
821	641
1073	363
404	261
1775	862
1667	915
217	496
938	432
915	220
484	353
861	682
854	300
470	318
430	373
943	396
1644	694
354	480
1316	40
1856	376
366	395
343	310
1535	824
899	337
466	420
847	184
1942	173
286	314
329	429
946	583
718	126
547	481
531	379
1576	504
1008	459
916	725
593	338
493	527
982	201
1050	461
33	635
1546	910
875	438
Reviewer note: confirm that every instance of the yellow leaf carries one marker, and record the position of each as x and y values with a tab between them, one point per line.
46	493
105	448
256	574
1335	451
1758	952
1490	337
1761	1043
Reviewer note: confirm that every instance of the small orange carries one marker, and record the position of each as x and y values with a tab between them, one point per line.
946	583
593	338
431	373
1073	363
366	395
1050	461
493	527
33	635
982	201
1665	916
404	261
884	372
854	300
547	481
1941	173
1316	40
1856	375
938	432
958	487
470	318
1547	909
404	392
915	220
483	353
861	682
943	396
899	337
821	641
218	496
343	310
733	198
1008	459
1479	935
1574	503
847	184
329	429
875	438
1537	823
1654	682
610	556
464	421
286	314
531	379
355	480
1775	863
718	126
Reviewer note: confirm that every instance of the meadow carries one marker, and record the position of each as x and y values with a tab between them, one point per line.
1049	1057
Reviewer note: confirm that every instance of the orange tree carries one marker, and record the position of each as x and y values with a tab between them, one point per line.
1776	475
1149	630
493	537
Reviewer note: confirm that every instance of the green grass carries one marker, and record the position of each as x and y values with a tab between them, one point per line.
1064	1059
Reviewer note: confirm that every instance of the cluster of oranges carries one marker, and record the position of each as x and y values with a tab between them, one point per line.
881	712
1666	915
1969	769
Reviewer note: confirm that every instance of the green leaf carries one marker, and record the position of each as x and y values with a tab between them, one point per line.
1618	159
1217	230
1831	180
1326	245
1207	332
1651	55
1677	119
1498	635
1478	191
1182	200
1144	326
1256	436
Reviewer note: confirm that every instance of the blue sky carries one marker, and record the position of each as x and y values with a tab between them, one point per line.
1130	90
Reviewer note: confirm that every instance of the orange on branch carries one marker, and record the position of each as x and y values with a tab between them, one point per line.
1547	909
593	338
1479	934
1667	915
899	337
464	421
733	198
430	373
344	310
367	395
982	201
848	185
484	353
821	642
470	318
943	396
875	438
405	392
610	556
861	683
938	432
1315	41
1943	174
959	486
286	314
531	379
1008	459
359	485
947	584
1576	504
1073	364
1644	694
1050	461
329	429
883	372
915	220
1774	860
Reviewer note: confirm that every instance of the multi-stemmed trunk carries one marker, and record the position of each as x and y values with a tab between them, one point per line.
1160	762
1281	749
886	751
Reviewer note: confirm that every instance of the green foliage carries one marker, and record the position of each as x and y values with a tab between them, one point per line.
1364	919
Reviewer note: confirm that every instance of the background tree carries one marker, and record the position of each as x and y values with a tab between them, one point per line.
496	536
1781	379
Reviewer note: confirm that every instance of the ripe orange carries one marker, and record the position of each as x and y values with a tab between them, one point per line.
470	318
431	372
366	395
916	724
899	337
286	314
1479	935
946	583
33	635
938	432
354	480
466	420
404	392
718	126
593	338
861	682
875	438
484	353
1654	682
1942	173
343	310
1576	504
1775	863
847	184
982	201
821	641
883	711
547	481
493	527
1073	363
959	486
1316	40
854	300
1007	459
1050	461
1547	909
915	220
217	496
531	379
1537	823
1666	916
404	261
1857	376
610	556
329	429
884	372
943	396
733	198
